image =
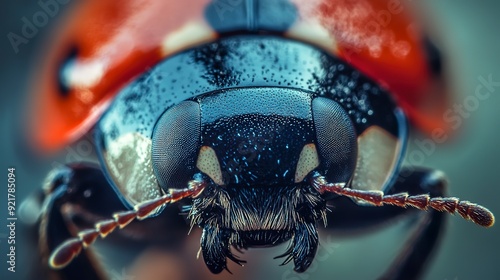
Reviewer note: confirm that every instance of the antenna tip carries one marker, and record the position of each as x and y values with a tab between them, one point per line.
65	253
481	216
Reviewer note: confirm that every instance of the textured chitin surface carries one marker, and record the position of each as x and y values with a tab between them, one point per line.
260	130
299	66
294	65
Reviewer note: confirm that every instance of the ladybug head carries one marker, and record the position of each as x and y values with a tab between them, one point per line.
276	140
249	153
257	159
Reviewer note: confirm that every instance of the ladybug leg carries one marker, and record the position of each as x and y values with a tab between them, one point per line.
411	261
76	197
68	206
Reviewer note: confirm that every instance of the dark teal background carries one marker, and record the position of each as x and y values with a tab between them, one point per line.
468	34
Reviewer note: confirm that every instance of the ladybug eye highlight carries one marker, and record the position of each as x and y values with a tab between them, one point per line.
65	68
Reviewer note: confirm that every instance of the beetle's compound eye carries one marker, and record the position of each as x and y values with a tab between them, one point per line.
368	159
336	139
176	142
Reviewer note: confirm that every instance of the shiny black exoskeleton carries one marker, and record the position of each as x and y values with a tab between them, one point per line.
256	132
269	128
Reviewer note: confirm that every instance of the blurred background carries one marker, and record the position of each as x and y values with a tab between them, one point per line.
467	34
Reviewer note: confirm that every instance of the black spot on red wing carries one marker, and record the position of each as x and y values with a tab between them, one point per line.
434	58
62	71
228	16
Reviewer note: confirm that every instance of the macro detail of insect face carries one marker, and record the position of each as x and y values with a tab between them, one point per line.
255	130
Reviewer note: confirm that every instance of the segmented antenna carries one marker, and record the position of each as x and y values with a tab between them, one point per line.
469	211
71	248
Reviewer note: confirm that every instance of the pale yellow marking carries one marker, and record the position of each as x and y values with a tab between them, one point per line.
192	33
308	160
377	157
129	164
313	32
208	163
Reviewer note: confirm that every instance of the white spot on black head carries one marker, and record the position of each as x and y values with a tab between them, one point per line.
308	161
208	163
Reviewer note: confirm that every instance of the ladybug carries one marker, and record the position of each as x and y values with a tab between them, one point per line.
261	121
